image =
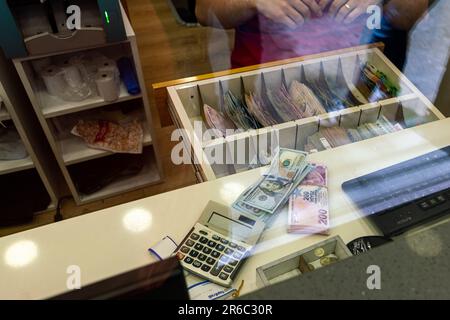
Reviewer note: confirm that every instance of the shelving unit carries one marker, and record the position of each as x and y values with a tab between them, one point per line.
147	176
17	110
4	114
12	166
74	149
54	107
70	150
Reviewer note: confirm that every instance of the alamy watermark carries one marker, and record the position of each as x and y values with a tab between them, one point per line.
375	13
374	280
206	146
73	281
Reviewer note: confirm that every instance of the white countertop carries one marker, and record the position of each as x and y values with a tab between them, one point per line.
33	264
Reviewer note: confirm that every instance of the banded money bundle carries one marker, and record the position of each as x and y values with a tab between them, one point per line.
328	138
272	191
308	204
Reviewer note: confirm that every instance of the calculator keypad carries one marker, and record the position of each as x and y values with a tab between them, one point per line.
228	269
210	255
185	250
198	247
223	276
212	244
194	236
189	243
193	253
206	268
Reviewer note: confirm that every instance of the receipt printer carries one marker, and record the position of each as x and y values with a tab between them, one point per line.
39	27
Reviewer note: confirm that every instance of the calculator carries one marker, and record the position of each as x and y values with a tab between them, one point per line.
219	243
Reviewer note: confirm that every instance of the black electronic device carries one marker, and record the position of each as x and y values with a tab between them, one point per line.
365	244
404	195
41	27
163	280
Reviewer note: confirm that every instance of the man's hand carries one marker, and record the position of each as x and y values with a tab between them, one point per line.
290	13
347	11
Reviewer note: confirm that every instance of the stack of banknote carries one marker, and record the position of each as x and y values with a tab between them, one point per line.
374	84
302	100
328	138
237	112
308	204
262	110
306	100
216	120
284	104
328	98
272	191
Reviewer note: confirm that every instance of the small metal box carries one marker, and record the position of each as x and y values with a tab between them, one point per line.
289	266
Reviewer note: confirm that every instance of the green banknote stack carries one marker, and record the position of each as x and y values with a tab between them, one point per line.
375	84
265	198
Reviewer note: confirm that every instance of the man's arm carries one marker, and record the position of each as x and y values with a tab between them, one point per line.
232	13
404	14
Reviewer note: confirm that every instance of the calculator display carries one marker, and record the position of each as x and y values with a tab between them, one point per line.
232	226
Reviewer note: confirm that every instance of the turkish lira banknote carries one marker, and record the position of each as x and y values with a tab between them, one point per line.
308	204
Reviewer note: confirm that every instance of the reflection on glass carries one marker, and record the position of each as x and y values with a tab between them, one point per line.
231	190
21	254
137	220
426	244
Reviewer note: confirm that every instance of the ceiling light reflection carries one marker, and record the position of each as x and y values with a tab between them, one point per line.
21	254
230	191
137	220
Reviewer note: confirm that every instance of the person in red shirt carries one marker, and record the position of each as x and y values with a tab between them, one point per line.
268	30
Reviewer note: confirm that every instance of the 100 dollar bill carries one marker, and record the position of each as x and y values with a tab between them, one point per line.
288	164
271	192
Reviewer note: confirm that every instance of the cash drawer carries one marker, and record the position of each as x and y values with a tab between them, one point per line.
215	157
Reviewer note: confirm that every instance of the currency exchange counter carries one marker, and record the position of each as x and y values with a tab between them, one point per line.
112	241
340	69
